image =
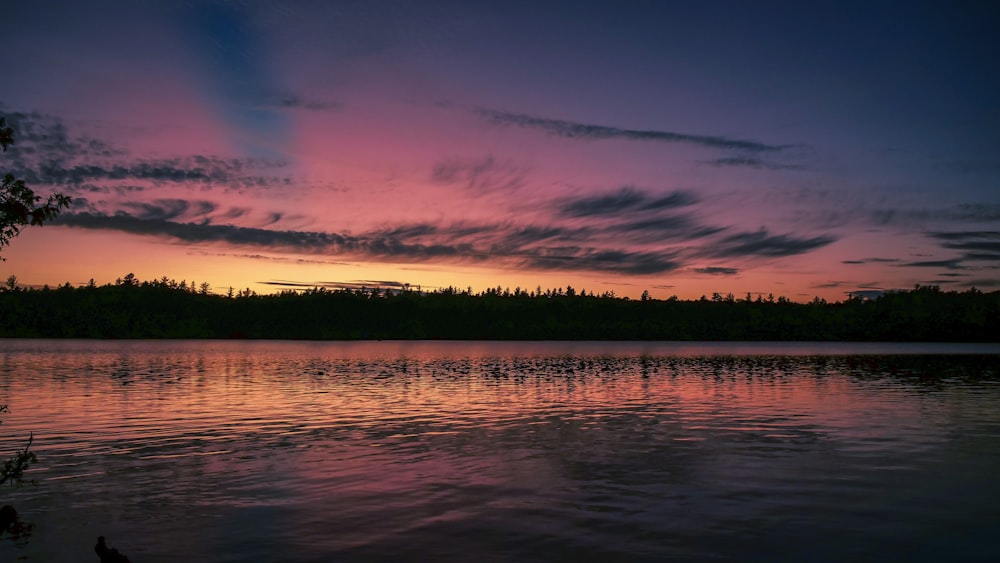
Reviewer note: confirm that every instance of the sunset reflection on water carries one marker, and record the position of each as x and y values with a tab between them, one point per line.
309	451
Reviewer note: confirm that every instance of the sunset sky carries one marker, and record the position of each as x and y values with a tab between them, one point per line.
796	148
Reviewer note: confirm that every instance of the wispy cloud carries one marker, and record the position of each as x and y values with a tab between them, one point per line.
480	174
40	135
508	245
871	261
968	166
169	209
202	169
951	264
510	238
976	212
763	244
268	258
46	154
965	235
626	198
636	216
717	271
585	131
829	209
627	230
601	260
297	102
832	285
203	232
614	203
982	246
663	229
961	213
514	246
750	162
983	256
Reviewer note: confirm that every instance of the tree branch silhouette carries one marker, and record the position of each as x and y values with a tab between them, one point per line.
19	205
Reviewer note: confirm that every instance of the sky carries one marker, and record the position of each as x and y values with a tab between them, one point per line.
682	148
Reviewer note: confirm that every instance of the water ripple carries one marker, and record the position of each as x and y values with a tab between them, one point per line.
500	451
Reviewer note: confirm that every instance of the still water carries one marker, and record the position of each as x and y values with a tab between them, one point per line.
456	451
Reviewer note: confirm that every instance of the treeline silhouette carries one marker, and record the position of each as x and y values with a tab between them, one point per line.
168	309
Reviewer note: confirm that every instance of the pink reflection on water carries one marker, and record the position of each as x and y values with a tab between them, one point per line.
350	444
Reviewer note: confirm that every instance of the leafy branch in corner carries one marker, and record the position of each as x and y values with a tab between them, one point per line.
19	206
14	468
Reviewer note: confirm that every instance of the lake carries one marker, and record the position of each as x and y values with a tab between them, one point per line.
237	451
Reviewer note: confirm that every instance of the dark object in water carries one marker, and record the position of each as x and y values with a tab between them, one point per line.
8	517
109	555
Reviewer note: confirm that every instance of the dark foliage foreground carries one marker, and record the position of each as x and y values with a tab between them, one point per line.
165	309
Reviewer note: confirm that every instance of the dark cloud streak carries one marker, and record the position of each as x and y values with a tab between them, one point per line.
583	131
951	264
297	102
168	209
871	261
377	244
200	169
626	198
618	261
621	232
46	154
978	246
750	162
760	243
481	175
717	271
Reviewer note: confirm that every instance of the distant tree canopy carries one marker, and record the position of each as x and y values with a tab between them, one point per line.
19	206
165	308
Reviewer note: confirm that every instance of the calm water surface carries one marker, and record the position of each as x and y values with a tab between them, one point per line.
302	452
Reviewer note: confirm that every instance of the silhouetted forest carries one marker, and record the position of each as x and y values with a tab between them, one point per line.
167	309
